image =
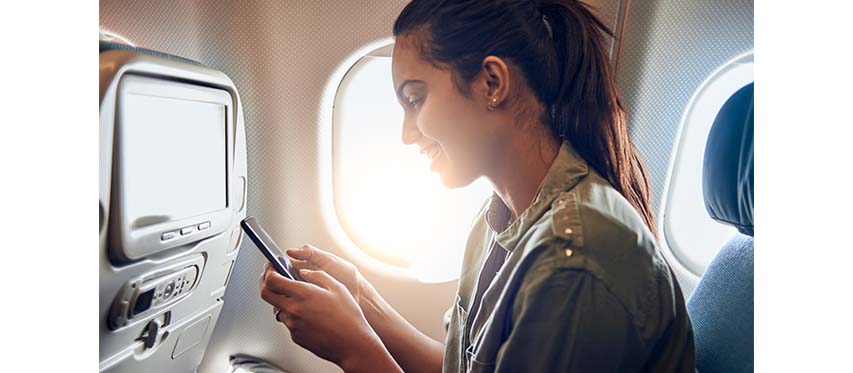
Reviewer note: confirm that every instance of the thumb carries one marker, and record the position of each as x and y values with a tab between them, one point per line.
310	254
321	279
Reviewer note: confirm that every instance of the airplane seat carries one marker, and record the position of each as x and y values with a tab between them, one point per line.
721	307
172	192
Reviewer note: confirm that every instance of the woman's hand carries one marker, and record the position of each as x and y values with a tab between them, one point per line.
312	258
410	347
323	317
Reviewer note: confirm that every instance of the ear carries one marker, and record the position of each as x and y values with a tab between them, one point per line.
496	85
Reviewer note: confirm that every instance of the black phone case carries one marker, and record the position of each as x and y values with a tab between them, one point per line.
268	247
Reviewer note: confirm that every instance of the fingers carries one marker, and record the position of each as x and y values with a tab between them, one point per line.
285	286
311	254
275	299
322	279
281	314
264	275
302	264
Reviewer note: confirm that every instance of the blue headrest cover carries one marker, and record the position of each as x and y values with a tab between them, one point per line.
727	176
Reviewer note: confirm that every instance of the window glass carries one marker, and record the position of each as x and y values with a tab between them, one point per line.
386	198
690	233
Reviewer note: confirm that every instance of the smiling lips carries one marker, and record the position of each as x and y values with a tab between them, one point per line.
431	151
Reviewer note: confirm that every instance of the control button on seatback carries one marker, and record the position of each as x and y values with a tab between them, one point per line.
204	225
169	288
186	231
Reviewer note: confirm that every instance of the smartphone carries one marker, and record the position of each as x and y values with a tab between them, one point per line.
268	247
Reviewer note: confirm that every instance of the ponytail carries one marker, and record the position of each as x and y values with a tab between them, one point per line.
560	47
585	105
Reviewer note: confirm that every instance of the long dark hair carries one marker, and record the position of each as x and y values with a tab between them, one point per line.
560	48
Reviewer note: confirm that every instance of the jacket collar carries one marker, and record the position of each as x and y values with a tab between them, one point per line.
565	172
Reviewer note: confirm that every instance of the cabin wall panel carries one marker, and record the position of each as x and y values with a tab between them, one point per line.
669	47
280	55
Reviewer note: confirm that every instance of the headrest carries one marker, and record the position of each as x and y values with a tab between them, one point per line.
727	176
105	46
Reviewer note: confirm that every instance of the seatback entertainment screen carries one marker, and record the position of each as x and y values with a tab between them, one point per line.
174	163
172	153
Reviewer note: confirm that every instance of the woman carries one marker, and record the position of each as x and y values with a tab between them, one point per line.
561	272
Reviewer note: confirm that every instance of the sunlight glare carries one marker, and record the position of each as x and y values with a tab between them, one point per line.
387	199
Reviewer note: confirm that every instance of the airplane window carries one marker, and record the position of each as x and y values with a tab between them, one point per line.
386	198
688	231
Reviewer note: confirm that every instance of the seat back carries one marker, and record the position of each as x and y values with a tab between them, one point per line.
721	307
172	191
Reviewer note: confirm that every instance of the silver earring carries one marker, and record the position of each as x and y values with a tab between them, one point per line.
492	104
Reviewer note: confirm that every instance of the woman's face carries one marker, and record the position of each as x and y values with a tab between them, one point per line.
454	131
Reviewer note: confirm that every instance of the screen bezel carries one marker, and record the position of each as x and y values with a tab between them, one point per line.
140	242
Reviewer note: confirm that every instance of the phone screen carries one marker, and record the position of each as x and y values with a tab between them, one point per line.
269	248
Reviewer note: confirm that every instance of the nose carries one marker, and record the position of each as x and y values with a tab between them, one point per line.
410	134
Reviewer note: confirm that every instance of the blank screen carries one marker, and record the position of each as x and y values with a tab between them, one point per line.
173	158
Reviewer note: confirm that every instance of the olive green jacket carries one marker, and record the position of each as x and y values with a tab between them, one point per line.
575	284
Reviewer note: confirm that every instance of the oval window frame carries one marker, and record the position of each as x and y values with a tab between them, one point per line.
697	119
363	257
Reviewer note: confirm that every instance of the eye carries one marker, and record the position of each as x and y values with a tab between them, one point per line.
415	103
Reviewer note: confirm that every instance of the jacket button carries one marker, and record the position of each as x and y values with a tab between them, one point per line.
568	231
569	252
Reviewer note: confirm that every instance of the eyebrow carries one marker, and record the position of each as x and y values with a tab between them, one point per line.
402	85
